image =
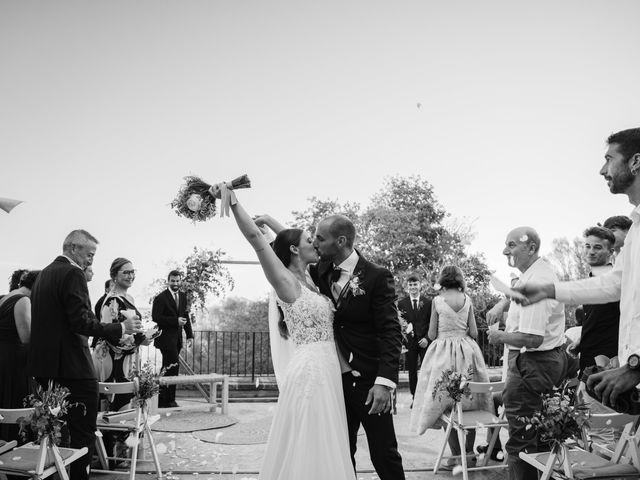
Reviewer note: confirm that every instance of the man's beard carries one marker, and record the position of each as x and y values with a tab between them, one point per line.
621	182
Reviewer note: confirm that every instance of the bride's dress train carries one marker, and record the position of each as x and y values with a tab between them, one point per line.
308	438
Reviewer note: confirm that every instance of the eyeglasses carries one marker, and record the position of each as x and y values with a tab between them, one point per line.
128	272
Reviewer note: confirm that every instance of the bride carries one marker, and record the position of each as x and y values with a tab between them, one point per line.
308	437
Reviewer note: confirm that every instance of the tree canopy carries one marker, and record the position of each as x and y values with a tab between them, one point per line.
406	229
203	276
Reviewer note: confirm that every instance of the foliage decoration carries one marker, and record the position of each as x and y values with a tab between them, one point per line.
48	417
453	385
559	418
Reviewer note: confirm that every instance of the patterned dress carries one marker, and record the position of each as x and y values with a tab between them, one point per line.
308	438
452	349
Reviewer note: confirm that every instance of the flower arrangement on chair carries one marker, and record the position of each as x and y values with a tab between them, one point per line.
454	385
148	382
50	407
560	418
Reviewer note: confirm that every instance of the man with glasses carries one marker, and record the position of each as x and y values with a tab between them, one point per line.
171	312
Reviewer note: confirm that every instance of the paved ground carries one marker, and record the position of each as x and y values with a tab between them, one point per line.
186	457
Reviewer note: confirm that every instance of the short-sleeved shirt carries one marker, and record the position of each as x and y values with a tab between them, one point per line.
545	318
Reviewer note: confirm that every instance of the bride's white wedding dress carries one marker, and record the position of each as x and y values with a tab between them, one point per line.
308	438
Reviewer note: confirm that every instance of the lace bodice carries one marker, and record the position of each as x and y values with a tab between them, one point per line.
309	318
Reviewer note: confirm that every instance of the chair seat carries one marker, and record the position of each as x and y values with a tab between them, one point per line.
25	459
611	470
474	418
587	465
6	446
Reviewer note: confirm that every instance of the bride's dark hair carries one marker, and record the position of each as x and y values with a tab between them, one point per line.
281	247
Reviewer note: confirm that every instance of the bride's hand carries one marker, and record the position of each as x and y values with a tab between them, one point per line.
262	220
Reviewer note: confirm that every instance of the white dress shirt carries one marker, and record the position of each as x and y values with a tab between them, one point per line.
622	283
545	318
346	271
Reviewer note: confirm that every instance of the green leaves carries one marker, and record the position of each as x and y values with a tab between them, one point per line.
559	418
453	385
50	407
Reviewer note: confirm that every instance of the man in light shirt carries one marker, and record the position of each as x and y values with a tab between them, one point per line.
534	335
621	171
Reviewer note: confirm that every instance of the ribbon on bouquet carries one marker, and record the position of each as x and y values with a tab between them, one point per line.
224	191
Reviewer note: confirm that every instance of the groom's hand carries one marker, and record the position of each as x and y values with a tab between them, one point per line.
379	397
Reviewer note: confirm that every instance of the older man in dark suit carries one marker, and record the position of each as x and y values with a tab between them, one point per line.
368	336
171	312
61	322
416	311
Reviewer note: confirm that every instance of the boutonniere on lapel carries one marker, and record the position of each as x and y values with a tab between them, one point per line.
354	285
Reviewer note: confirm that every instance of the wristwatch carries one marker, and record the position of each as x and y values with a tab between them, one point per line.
634	362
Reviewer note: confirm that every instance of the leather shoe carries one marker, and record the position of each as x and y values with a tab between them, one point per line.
173	404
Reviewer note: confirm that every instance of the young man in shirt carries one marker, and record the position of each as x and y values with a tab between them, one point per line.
621	170
601	321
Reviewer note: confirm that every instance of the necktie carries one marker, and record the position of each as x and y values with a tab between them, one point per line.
335	287
175	296
415	304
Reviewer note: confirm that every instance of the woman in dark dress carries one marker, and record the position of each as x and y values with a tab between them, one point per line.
15	331
122	357
116	306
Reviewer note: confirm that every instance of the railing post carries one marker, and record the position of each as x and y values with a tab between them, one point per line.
253	357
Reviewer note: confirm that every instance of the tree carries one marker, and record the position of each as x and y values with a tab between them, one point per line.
568	259
309	218
204	276
405	229
240	315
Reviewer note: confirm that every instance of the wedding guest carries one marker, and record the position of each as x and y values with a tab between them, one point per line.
15	332
123	355
108	285
621	171
88	273
619	225
61	322
600	327
415	308
537	360
117	306
171	312
16	276
453	329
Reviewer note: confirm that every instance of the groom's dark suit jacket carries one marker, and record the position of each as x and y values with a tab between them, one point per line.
61	322
366	326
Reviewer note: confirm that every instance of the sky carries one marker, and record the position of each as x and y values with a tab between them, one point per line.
503	106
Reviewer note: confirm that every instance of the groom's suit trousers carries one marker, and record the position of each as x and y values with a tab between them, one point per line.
381	436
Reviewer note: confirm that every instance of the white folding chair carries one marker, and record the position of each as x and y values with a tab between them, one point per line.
137	424
463	421
565	462
35	461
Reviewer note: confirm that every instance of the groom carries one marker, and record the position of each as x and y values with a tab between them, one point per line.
368	336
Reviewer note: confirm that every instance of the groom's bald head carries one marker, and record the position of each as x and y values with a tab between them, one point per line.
340	226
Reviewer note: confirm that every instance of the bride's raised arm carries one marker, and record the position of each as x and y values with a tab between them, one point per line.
281	279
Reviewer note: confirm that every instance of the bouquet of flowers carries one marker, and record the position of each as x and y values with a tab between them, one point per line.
454	385
196	199
148	382
559	418
50	406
